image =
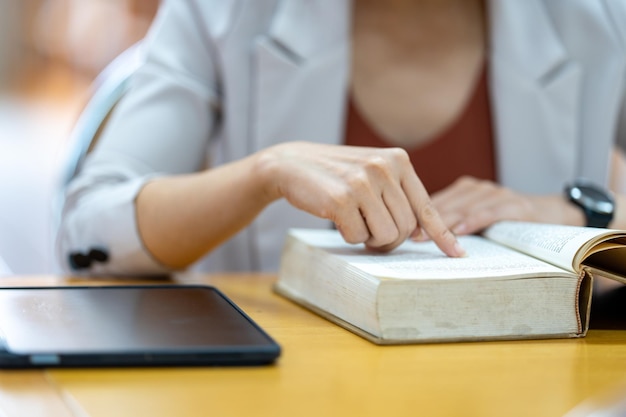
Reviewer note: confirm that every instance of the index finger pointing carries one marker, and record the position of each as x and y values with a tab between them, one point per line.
430	220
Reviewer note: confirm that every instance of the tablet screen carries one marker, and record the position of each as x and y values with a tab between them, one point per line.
152	324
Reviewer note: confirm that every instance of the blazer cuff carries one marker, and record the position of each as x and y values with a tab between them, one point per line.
102	237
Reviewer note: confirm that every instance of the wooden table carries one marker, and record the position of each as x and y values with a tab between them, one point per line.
325	370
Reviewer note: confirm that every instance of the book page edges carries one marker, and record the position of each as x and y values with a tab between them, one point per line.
582	312
583	299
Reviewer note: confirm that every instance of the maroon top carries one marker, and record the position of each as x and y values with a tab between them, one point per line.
464	148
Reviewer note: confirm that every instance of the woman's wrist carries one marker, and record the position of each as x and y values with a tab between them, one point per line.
558	210
619	216
270	169
267	171
571	214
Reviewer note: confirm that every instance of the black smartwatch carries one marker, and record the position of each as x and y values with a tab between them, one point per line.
597	203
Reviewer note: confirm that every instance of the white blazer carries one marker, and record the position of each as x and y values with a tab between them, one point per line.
224	78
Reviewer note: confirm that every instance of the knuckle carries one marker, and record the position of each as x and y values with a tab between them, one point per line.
385	248
390	236
376	165
411	225
469	182
357	181
334	202
383	236
399	161
353	236
326	212
353	239
427	212
466	180
379	243
405	227
340	197
399	155
442	234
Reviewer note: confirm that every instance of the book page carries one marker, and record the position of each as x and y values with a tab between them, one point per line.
423	260
557	244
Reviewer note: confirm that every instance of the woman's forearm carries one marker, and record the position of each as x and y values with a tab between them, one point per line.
182	218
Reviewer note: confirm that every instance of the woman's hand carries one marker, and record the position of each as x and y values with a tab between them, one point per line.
470	205
372	195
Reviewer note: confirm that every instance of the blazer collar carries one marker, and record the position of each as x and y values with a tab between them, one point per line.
306	27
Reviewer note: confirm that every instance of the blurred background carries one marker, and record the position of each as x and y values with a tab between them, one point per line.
50	52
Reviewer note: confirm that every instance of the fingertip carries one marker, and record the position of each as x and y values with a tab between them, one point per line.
451	246
459	251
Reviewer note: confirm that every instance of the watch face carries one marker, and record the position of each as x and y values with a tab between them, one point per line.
594	199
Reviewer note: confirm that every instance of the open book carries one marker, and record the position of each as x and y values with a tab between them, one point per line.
519	281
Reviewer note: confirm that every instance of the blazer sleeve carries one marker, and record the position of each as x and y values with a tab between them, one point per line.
162	126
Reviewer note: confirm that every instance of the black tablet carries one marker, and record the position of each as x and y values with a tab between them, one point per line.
86	326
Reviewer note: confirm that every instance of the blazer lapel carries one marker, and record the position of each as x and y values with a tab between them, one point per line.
597	45
536	98
304	63
558	78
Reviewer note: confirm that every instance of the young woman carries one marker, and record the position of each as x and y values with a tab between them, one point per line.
250	117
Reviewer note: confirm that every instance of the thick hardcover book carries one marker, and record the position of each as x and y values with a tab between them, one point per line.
518	281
